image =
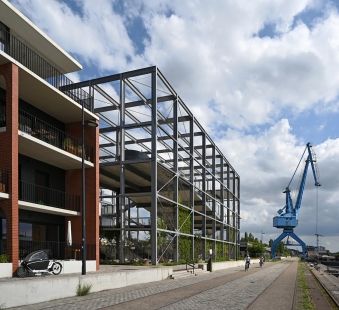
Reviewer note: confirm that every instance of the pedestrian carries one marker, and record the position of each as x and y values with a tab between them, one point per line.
247	262
261	262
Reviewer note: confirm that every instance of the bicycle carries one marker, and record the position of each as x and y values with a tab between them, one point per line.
247	265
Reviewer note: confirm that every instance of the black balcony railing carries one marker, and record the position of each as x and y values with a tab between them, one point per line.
23	54
60	250
48	197
3	181
47	133
2	116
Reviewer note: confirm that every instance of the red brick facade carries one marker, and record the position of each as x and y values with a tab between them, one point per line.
9	160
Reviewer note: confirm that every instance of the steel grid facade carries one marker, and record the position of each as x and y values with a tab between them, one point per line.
162	177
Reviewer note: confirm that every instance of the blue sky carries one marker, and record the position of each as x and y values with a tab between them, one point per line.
260	76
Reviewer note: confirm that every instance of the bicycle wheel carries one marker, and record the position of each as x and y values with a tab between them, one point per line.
56	269
22	272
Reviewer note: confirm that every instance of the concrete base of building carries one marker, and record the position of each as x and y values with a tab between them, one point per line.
74	266
5	270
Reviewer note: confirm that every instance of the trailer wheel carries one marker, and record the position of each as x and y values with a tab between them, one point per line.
21	272
56	268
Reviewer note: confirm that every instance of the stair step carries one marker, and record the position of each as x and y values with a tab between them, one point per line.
178	274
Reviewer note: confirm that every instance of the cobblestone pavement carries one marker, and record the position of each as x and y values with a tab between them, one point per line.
226	289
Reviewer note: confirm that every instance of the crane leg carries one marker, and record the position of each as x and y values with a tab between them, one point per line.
288	232
276	241
302	243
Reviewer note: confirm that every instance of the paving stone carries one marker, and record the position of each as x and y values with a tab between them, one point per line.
226	289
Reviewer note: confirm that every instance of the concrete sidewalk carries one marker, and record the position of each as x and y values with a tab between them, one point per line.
279	295
39	289
230	288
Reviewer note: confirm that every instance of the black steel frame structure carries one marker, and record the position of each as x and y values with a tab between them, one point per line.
157	160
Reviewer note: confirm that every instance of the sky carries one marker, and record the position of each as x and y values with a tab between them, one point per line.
260	76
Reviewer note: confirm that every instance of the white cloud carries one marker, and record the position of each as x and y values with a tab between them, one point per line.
238	85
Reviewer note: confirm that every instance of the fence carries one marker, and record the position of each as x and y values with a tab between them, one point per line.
23	54
60	250
47	133
49	197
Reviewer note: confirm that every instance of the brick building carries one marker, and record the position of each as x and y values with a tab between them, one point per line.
41	146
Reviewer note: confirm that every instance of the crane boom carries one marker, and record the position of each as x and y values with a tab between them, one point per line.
311	159
287	217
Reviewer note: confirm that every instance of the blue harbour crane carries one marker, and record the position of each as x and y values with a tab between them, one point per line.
287	217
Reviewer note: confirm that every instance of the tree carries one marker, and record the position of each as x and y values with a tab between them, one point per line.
250	237
270	242
256	248
246	236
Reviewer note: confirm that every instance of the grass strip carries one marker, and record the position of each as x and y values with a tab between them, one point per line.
304	299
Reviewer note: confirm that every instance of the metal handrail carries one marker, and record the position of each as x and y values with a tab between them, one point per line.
41	130
48	197
191	264
31	60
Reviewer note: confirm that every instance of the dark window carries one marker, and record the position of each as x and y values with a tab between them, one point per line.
4	38
41	188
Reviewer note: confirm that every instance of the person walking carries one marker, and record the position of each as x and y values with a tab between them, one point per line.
247	262
261	262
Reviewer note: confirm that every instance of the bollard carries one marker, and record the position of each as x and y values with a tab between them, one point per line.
209	265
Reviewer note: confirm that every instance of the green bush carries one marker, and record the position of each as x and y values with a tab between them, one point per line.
83	289
4	258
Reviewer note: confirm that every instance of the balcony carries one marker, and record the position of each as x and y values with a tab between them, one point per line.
56	147
47	200
31	60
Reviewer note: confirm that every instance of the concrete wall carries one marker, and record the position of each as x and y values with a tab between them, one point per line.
39	289
75	266
230	264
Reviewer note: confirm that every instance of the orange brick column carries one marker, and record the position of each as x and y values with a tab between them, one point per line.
73	185
9	160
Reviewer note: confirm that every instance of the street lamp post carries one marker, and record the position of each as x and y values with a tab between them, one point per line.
90	123
262	233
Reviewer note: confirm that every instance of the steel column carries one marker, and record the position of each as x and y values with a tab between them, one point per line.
154	208
191	176
122	169
176	178
203	162
228	210
222	207
213	203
